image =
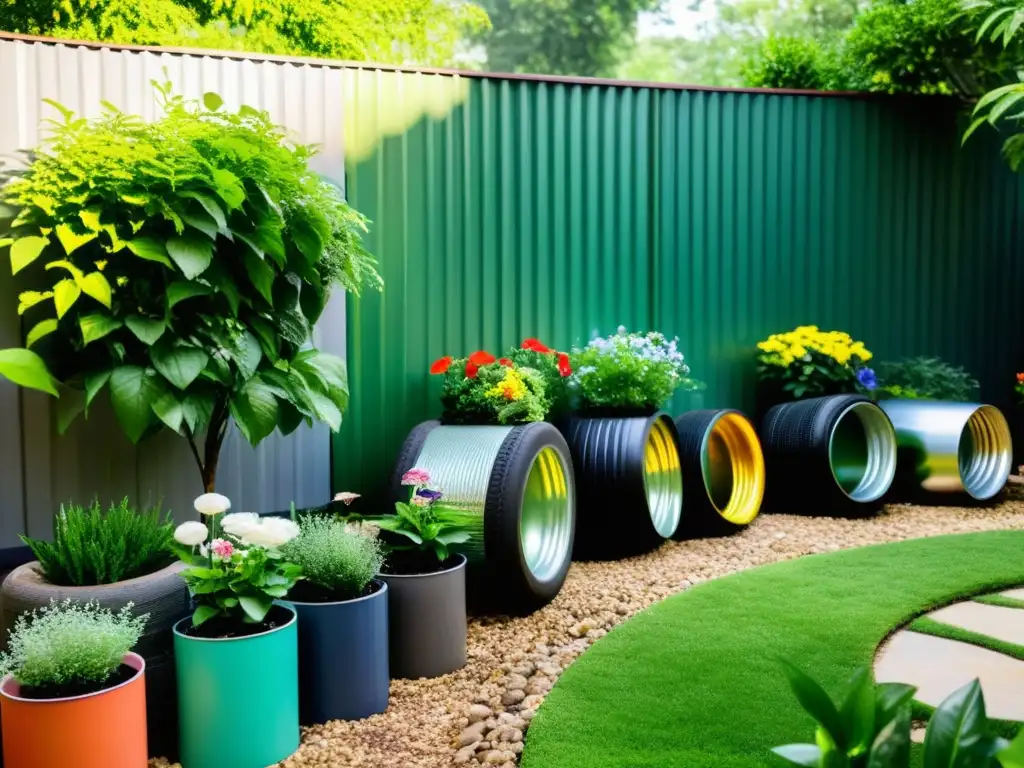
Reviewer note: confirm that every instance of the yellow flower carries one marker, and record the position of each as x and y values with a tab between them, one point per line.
512	387
798	351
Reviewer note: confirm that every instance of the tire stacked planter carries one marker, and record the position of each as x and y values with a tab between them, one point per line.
828	456
514	487
163	595
630	483
723	472
951	447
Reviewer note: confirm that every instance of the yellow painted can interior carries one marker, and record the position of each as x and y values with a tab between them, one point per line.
733	468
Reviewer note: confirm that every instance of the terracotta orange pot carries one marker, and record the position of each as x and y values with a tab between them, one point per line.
100	730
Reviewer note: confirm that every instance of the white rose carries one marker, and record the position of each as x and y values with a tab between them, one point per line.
272	532
210	504
191	533
239	523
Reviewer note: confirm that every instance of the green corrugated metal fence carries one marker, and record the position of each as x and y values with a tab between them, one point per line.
505	209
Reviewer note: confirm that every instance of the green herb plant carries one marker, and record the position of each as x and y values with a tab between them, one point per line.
70	644
180	265
334	557
92	547
871	728
930	378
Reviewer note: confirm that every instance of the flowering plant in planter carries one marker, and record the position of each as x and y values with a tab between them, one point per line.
554	366
631	371
1019	386
236	576
808	362
482	389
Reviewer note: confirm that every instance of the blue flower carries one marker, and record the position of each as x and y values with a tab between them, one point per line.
867	379
426	493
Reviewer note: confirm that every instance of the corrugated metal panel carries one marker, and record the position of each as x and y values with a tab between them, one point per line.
41	470
563	210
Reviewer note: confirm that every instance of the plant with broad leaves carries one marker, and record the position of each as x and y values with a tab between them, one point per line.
929	378
181	265
871	728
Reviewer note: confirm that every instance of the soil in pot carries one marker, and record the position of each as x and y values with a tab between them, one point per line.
416	563
307	592
123	674
221	628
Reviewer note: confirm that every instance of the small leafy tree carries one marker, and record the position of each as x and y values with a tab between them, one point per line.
180	265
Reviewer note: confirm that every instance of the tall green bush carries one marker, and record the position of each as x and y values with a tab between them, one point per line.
180	265
793	62
930	378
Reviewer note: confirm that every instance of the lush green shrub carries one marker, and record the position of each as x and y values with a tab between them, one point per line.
481	389
929	378
91	547
334	557
554	366
181	264
632	371
792	62
808	362
70	643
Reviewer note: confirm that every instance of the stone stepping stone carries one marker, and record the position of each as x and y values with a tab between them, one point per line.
1017	593
1006	624
937	667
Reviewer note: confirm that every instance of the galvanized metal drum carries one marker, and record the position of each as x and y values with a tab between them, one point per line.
630	483
721	454
513	489
952	447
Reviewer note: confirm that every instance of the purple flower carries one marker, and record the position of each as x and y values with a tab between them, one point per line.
429	495
867	379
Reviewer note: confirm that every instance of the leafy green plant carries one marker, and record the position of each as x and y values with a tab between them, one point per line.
929	378
631	371
417	526
334	557
896	392
554	367
809	362
871	727
481	389
236	576
93	547
792	62
180	265
68	643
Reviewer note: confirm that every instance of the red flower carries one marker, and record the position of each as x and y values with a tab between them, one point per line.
506	362
441	366
535	346
472	369
481	358
564	366
1020	378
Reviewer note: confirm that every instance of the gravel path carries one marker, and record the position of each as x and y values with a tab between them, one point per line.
479	715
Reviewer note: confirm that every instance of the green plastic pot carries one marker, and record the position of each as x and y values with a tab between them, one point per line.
238	698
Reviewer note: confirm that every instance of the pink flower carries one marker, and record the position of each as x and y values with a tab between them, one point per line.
416	477
346	497
421	501
222	548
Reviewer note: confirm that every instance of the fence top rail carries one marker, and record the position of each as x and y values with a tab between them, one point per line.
553	79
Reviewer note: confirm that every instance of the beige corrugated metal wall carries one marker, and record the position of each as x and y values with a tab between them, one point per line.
38	469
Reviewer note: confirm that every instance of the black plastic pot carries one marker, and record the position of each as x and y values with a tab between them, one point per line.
343	657
629	484
427	621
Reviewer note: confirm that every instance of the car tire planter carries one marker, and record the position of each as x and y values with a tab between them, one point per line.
515	488
238	698
828	456
163	595
106	729
721	454
630	484
951	447
343	668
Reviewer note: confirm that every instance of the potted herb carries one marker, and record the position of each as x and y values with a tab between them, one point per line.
237	654
113	558
73	693
624	448
426	583
343	621
507	474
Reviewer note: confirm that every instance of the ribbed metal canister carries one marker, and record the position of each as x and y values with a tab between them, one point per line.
951	447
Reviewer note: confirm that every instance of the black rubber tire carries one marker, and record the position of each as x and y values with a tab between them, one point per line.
407	458
700	517
613	520
795	439
512	587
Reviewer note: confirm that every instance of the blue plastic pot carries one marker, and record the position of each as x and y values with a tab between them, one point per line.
343	658
238	698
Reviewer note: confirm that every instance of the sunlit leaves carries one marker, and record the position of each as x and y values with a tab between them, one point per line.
65	294
25	250
95	327
39	330
151	249
26	369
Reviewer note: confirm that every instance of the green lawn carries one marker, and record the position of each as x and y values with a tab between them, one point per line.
694	681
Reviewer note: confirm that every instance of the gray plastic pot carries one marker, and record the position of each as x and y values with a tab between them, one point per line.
163	595
427	621
343	657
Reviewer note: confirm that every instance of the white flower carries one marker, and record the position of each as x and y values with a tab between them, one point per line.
239	523
210	504
191	533
272	532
